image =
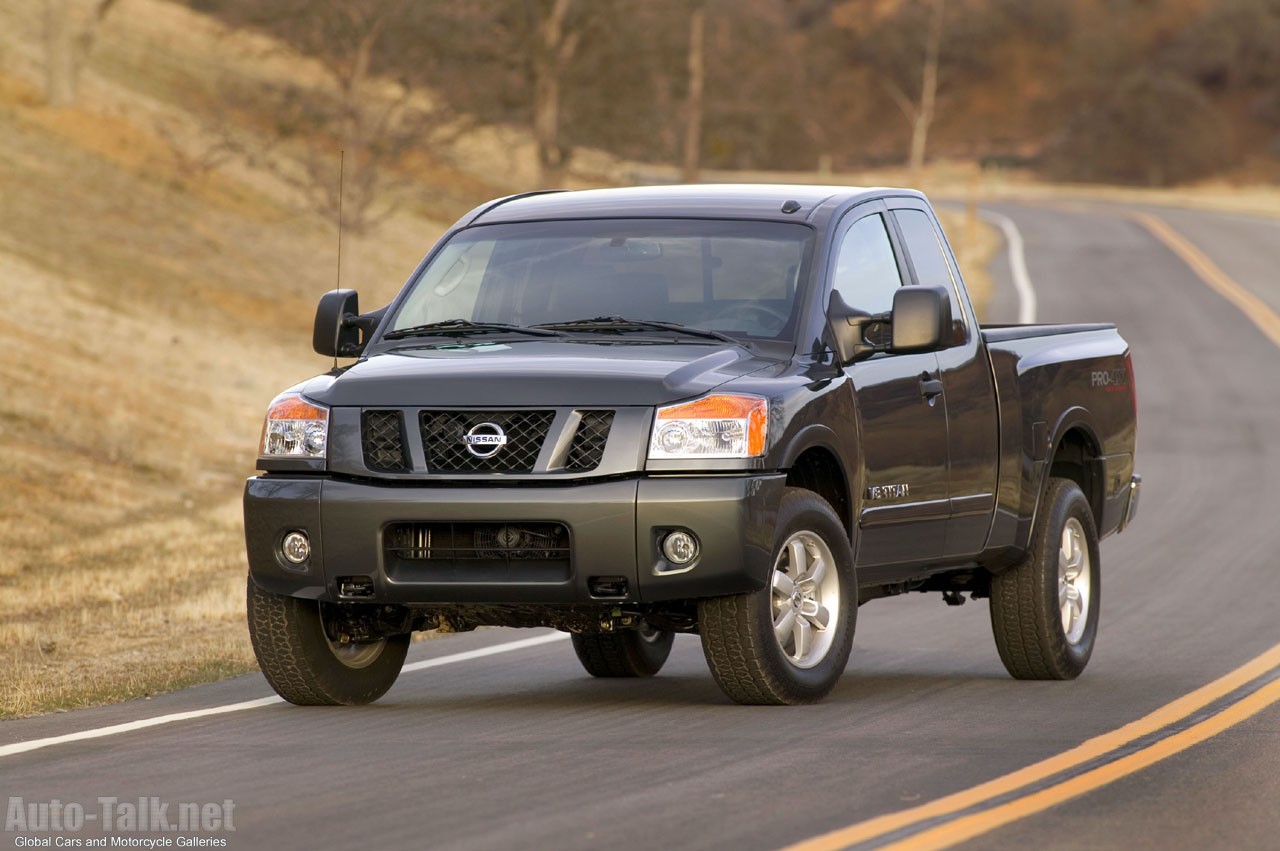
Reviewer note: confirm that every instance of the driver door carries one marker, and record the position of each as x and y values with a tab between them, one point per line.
902	423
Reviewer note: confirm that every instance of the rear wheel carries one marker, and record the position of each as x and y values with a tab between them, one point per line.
307	667
789	642
631	653
1044	612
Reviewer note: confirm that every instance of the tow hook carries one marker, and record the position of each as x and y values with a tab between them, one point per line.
953	598
616	621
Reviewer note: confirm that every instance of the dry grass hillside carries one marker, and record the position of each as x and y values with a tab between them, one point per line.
151	310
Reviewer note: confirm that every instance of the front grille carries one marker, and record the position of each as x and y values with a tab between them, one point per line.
504	542
587	449
382	436
444	432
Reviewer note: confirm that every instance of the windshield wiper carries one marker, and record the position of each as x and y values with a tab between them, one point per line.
618	323
460	327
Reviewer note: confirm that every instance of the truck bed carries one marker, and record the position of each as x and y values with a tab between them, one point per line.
997	333
1060	383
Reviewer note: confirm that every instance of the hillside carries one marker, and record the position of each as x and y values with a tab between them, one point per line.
1141	92
154	303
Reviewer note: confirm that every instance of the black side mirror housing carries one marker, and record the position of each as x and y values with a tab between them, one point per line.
849	329
335	333
921	318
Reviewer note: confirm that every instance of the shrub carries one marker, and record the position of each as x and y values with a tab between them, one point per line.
1155	129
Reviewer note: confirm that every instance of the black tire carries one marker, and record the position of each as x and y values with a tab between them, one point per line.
631	653
304	667
1026	614
749	663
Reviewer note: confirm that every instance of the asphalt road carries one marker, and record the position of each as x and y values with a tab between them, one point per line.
523	750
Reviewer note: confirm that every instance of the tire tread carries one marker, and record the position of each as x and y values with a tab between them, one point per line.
1026	627
275	631
287	635
620	654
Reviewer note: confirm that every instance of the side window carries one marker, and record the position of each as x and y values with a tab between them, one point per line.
930	262
866	273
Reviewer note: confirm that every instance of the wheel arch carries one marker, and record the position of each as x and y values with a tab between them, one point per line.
1077	454
812	463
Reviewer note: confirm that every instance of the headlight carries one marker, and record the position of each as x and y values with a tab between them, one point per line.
295	428
713	427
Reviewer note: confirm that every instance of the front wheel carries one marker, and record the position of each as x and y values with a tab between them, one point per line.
789	642
1044	612
307	667
630	653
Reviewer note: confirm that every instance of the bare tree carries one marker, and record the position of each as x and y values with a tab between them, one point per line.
69	31
553	49
374	124
368	119
697	81
919	113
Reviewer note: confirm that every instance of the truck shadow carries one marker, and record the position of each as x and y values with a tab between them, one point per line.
683	690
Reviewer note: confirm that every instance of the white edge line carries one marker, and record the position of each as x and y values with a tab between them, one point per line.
131	726
1017	265
485	651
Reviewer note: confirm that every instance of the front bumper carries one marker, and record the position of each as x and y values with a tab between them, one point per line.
615	529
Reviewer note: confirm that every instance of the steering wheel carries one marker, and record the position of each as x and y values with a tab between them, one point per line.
765	318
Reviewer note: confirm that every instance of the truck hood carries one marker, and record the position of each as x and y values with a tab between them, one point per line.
536	372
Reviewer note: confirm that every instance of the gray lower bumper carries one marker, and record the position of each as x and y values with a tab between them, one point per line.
615	529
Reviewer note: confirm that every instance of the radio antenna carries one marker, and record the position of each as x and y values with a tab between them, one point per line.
342	156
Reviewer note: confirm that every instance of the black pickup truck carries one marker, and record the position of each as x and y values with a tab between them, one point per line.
735	411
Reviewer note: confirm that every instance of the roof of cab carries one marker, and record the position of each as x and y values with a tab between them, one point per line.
751	201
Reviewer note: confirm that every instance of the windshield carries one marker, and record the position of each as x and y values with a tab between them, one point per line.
735	277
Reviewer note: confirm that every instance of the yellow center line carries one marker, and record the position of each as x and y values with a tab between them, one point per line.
952	832
1258	311
1088	751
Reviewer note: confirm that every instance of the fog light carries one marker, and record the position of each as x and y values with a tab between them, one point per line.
680	547
296	547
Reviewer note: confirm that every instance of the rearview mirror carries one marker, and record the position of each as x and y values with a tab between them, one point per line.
335	333
921	318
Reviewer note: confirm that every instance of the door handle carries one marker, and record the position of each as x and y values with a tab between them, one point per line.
930	387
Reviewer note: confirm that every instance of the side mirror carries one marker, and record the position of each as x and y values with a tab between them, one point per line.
335	333
921	318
